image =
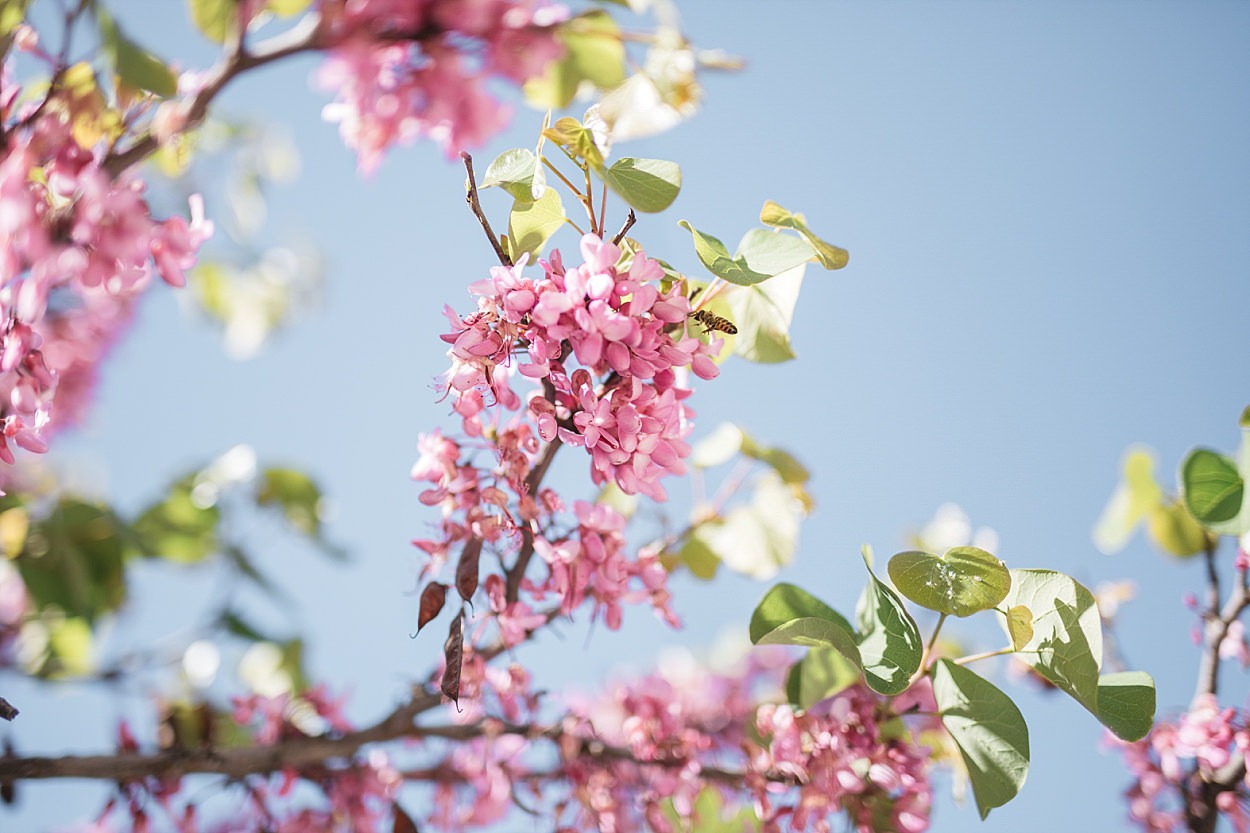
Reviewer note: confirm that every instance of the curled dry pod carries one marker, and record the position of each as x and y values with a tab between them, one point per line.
466	569
453	654
432	599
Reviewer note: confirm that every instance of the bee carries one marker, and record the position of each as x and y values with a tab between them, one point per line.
712	321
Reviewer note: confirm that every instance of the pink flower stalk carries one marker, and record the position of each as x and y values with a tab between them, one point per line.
407	70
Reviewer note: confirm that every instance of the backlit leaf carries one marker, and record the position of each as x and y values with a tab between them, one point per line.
785	602
648	185
890	645
763	313
960	582
1066	647
1126	703
1134	497
829	255
531	224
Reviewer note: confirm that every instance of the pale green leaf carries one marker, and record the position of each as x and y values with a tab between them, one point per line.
532	224
771	253
513	171
760	537
593	52
1019	626
717	448
988	729
1126	703
829	256
214	18
1134	497
649	185
889	642
762	314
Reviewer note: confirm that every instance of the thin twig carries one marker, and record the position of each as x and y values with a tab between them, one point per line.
476	205
532	481
629	223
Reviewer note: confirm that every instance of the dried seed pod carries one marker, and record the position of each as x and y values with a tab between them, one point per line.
403	822
453	655
466	569
432	599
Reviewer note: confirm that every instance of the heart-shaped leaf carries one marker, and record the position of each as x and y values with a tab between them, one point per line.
960	582
890	645
785	602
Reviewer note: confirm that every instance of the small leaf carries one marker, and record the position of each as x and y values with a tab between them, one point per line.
890	645
433	597
648	185
830	256
577	138
531	224
771	253
717	448
760	537
179	528
513	171
453	656
1213	489
1173	529
1019	626
988	729
960	582
467	569
784	602
699	558
593	52
1126	703
287	8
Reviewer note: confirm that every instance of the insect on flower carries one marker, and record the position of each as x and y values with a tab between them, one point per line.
712	321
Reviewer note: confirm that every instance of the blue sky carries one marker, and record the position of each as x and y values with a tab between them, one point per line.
1046	207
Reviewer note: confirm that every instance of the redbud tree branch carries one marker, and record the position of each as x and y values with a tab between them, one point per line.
476	206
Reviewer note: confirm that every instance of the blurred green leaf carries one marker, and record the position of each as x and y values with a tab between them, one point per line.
717	448
710	815
287	8
214	18
593	52
989	731
73	560
890	645
649	185
178	529
1134	498
960	582
821	674
699	558
758	538
12	13
771	253
137	68
70	647
578	139
296	494
1173	529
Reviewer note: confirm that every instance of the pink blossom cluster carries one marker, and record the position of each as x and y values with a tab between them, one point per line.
1201	742
406	69
837	757
610	346
79	246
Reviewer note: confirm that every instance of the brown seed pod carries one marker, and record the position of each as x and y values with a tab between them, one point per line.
432	599
453	655
466	569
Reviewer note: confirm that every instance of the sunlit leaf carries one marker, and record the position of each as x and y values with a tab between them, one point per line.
829	256
813	632
296	494
821	674
890	645
763	314
74	560
12	13
989	731
648	185
1174	530
1066	647
960	582
771	253
214	18
1214	490
287	8
178	528
136	68
532	224
758	538
513	171
1019	626
717	448
698	557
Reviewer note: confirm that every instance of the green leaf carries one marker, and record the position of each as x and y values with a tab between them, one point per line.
785	602
1126	703
771	253
890	645
829	256
137	68
1214	490
12	13
960	582
513	171
813	632
287	8
1173	529
74	561
1066	647
649	185
763	313
989	731
699	558
1135	496
787	466
532	224
177	528
579	139
593	52
214	18
711	816
71	648
296	494
821	674
758	538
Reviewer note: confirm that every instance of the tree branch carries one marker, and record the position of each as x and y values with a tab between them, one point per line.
476	205
629	223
